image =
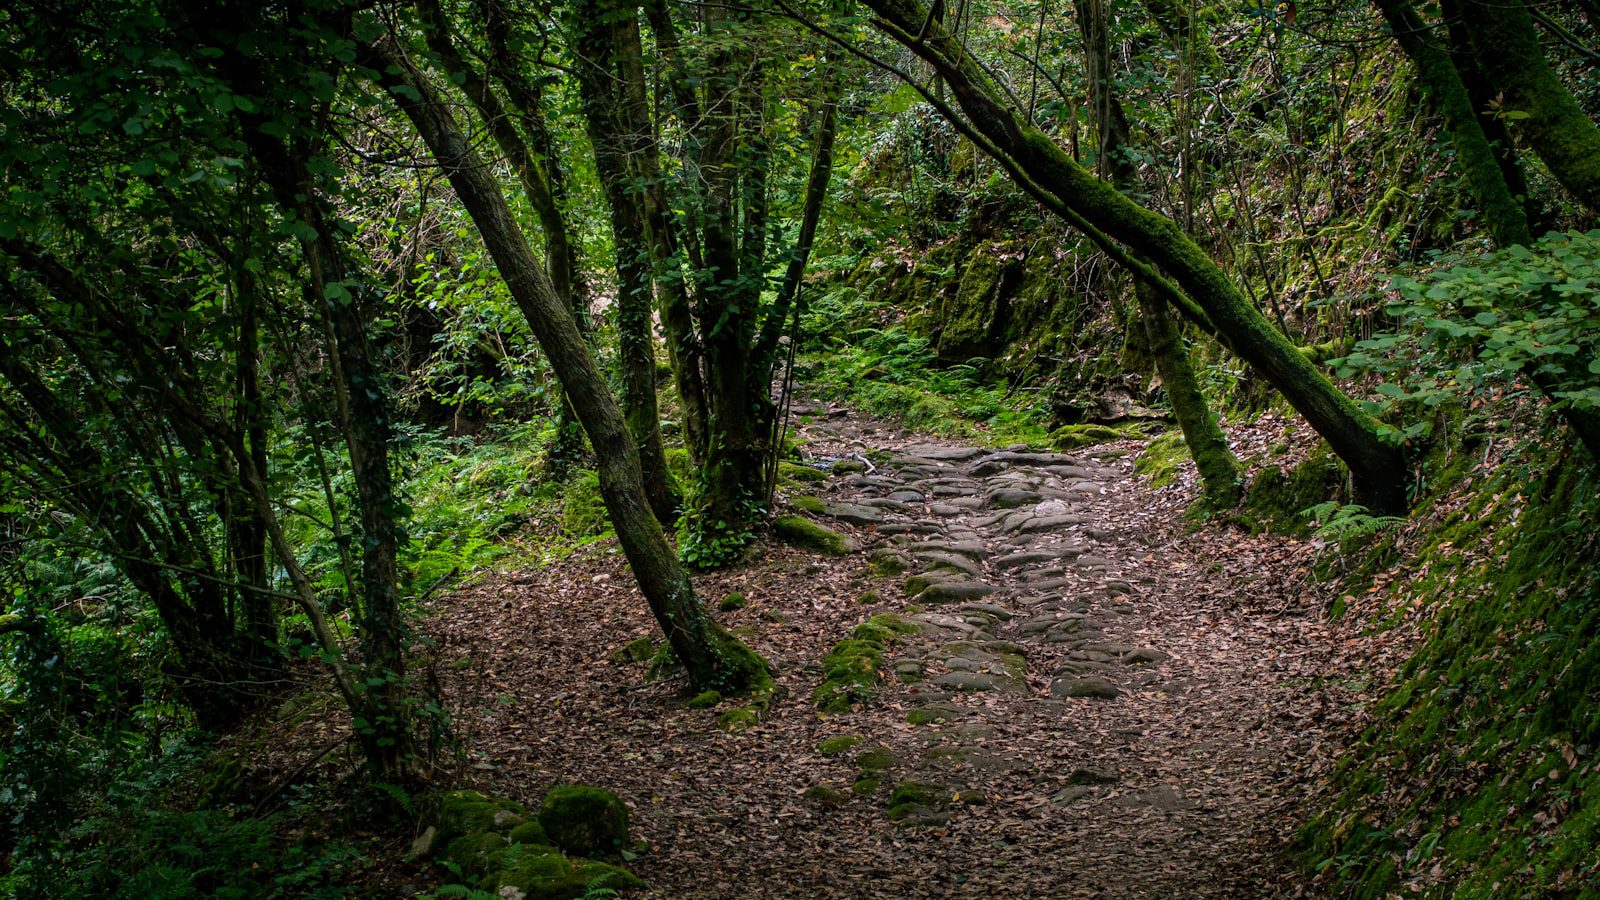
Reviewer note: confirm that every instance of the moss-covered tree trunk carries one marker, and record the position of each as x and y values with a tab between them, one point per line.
1377	463
1544	112
1501	210
1220	475
605	45
713	658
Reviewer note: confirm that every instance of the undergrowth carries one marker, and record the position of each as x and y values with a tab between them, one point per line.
1477	775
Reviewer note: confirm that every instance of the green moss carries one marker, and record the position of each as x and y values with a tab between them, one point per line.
1073	437
1163	459
849	467
801	473
542	873
704	700
584	820
920	793
475	853
829	796
733	602
802	532
529	832
838	744
738	719
1500	696
1278	499
865	786
813	505
870	598
928	715
456	813
638	650
878	759
888	565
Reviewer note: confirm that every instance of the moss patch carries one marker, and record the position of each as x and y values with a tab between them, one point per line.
801	473
733	602
850	671
838	744
1163	459
802	532
704	700
584	820
1073	437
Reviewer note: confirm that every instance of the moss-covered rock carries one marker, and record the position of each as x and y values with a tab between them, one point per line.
838	744
806	503
802	532
919	793
850	671
801	473
1073	437
865	785
455	813
543	873
849	467
584	820
878	759
529	832
972	319
733	602
1279	499
826	795
475	853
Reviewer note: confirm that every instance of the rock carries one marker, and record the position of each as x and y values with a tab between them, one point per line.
905	496
423	844
802	532
1011	498
916	584
638	650
828	796
910	528
1090	687
542	873
1069	795
966	682
853	514
878	759
1144	657
920	793
455	813
584	820
954	591
475	853
908	670
970	549
849	467
1024	558
1049	523
932	713
889	562
944	454
940	559
960	664
998	613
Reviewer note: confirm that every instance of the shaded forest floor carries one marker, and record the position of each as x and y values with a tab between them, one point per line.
1118	706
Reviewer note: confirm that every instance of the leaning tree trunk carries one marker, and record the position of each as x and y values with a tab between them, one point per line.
1377	462
1220	475
712	657
1554	125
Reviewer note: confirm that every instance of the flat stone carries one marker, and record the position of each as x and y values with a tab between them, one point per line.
1050	523
1143	657
944	454
969	549
910	528
885	503
854	514
1090	687
1091	561
940	559
1025	558
946	491
1011	498
1069	795
960	664
991	610
955	591
945	509
966	682
906	496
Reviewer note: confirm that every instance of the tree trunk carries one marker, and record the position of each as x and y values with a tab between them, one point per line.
611	81
1220	475
1376	461
712	657
1553	123
1502	212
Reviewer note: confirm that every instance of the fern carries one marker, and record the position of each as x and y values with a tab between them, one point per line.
1339	522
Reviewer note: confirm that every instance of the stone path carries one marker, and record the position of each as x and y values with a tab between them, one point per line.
1073	681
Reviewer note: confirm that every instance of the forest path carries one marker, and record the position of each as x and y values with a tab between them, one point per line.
1099	702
